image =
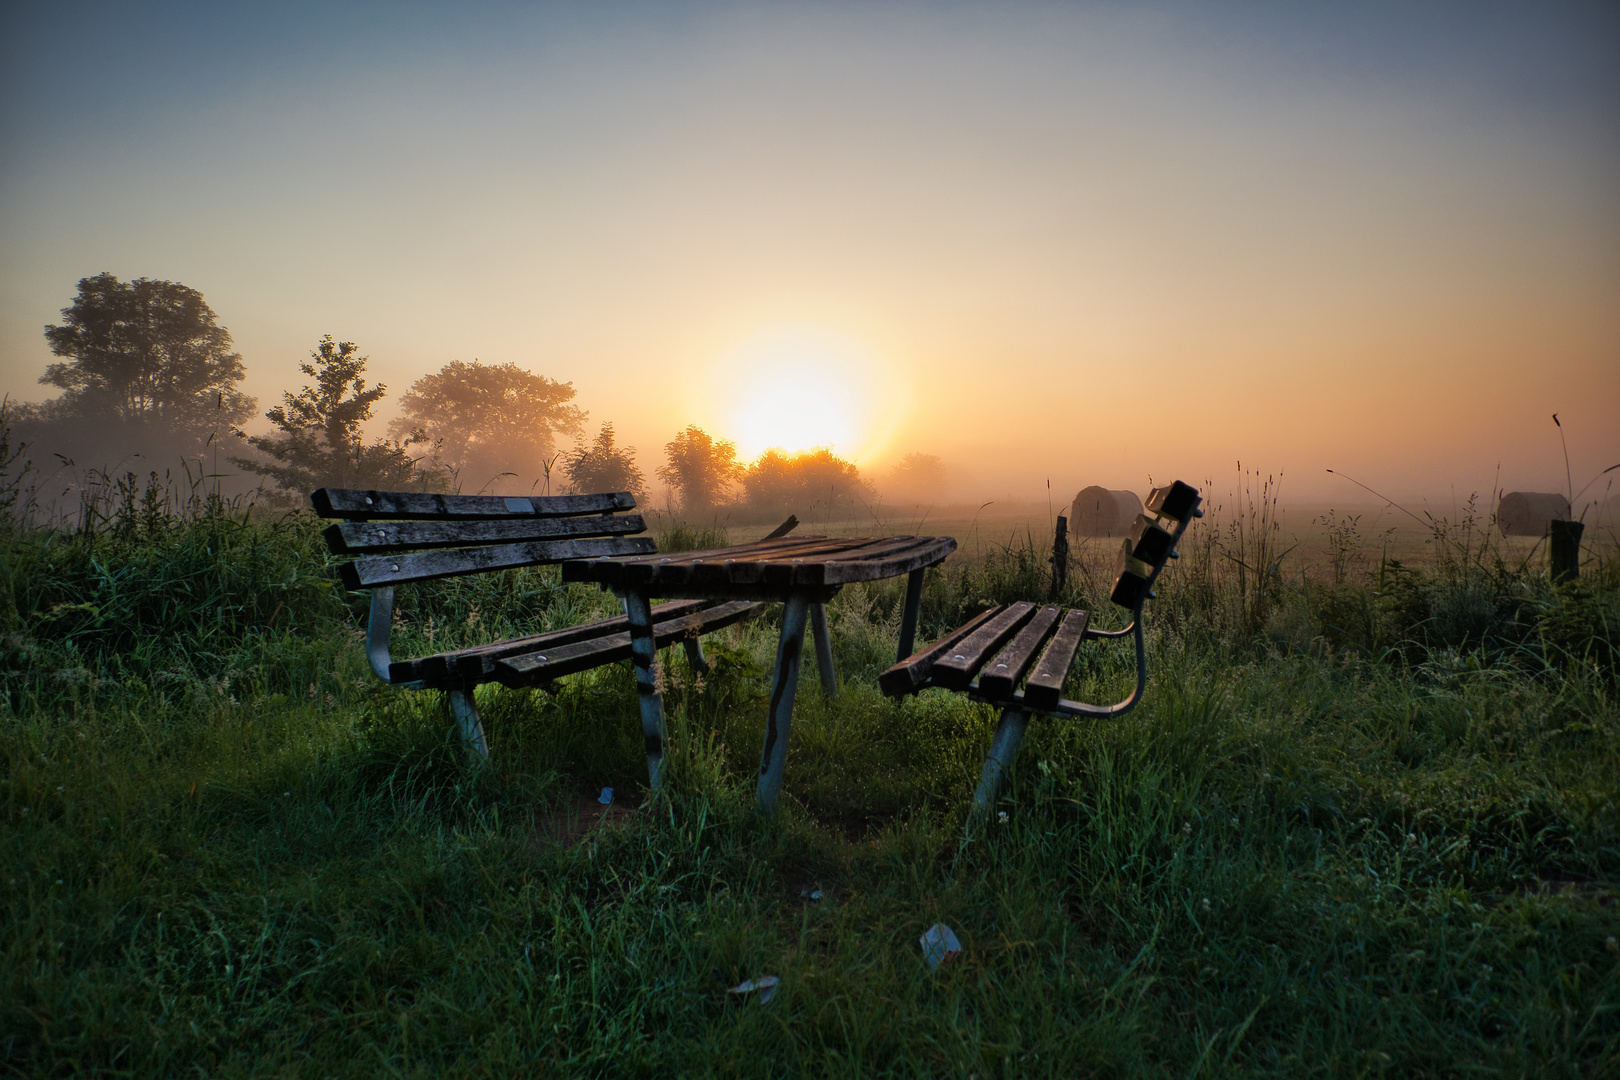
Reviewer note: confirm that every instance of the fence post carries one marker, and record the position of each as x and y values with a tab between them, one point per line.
1564	550
1060	557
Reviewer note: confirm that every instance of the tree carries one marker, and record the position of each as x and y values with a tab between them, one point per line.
148	358
810	480
488	419
321	445
601	466
918	476
701	469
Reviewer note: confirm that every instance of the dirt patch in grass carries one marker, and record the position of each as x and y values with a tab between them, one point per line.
580	816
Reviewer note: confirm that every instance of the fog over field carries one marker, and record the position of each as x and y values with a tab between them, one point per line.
1077	244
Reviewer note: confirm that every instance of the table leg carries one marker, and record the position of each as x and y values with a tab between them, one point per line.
1003	749
824	660
908	618
773	759
644	653
465	710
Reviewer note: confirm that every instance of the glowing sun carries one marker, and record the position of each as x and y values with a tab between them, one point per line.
796	389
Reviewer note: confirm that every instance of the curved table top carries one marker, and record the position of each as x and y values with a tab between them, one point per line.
766	567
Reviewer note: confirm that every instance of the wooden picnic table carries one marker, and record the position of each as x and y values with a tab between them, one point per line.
802	572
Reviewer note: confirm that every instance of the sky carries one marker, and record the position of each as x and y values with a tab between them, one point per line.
1067	243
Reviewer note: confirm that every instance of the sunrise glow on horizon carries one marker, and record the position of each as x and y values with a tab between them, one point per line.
795	388
1077	243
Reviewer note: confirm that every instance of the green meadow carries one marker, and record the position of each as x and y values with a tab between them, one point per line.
1364	824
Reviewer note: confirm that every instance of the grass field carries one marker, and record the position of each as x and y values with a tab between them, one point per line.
1364	824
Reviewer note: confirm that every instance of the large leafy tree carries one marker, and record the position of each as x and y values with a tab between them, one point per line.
148	358
700	468
487	420
811	481
600	465
320	442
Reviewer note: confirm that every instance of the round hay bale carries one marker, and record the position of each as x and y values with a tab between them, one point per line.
1097	511
1526	513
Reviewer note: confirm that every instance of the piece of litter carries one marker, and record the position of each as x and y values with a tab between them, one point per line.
939	945
606	798
765	984
810	894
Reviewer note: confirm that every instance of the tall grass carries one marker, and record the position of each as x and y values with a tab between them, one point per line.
1364	823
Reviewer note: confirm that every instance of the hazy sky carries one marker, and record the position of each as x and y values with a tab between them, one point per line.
1087	242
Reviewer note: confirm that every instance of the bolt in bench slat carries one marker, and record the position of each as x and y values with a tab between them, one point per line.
954	670
375	537
911	674
553	663
387	570
1000	676
1045	686
357	505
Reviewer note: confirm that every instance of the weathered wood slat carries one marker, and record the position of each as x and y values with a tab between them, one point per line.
1150	541
922	552
803	562
955	669
1131	577
351	538
477	661
537	667
1175	500
632	570
910	674
1045	686
360	505
1000	676
385	570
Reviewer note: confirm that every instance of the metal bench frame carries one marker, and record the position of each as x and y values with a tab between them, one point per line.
988	656
400	537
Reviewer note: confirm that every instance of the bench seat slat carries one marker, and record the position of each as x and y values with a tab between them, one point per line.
911	674
360	505
537	667
477	662
1000	676
1045	686
956	668
388	570
354	537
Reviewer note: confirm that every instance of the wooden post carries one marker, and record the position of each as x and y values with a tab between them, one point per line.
1060	557
1564	550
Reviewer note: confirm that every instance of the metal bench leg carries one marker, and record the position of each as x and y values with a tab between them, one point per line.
908	617
695	658
465	710
824	660
1003	749
644	652
773	759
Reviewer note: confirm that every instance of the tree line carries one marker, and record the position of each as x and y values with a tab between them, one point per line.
146	367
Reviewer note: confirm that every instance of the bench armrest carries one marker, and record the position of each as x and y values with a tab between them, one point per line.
379	627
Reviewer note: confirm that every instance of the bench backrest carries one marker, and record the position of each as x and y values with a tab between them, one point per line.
405	536
1152	541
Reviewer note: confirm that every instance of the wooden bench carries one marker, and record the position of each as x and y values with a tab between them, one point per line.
399	537
1035	644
